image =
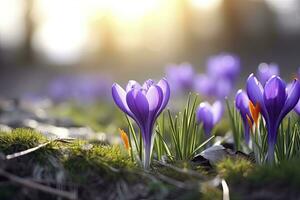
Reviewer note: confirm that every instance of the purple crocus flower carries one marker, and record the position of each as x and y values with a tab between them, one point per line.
275	101
180	77
266	71
83	88
226	66
209	115
210	87
143	104
219	79
204	85
242	104
297	108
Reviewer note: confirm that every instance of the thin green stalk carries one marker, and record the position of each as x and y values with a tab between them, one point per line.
133	133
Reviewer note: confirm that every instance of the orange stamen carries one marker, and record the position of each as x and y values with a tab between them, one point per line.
254	110
124	138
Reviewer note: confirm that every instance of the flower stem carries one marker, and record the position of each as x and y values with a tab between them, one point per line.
272	136
271	148
147	156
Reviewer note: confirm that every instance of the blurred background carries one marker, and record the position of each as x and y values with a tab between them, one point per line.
118	40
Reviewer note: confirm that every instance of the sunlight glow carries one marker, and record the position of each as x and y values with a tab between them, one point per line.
206	4
62	30
125	10
12	28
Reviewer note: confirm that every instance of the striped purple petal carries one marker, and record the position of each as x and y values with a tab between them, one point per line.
255	94
204	115
139	106
164	86
274	97
293	95
217	110
119	96
132	85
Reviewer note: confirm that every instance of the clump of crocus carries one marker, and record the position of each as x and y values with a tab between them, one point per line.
82	88
180	77
224	65
266	71
209	115
242	104
275	101
143	104
211	87
220	77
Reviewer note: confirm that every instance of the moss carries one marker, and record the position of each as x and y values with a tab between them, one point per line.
234	168
96	170
286	174
23	139
19	140
75	155
262	182
85	161
79	164
176	174
241	170
211	193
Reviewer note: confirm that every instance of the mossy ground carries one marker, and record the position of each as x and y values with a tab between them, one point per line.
73	165
249	181
95	171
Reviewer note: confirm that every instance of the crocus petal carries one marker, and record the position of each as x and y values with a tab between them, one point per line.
204	85
254	90
119	96
247	126
255	94
164	86
266	71
138	104
293	94
204	115
223	87
180	77
147	84
154	97
297	108
274	97
254	111
132	85
217	110
125	139
224	66
242	103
